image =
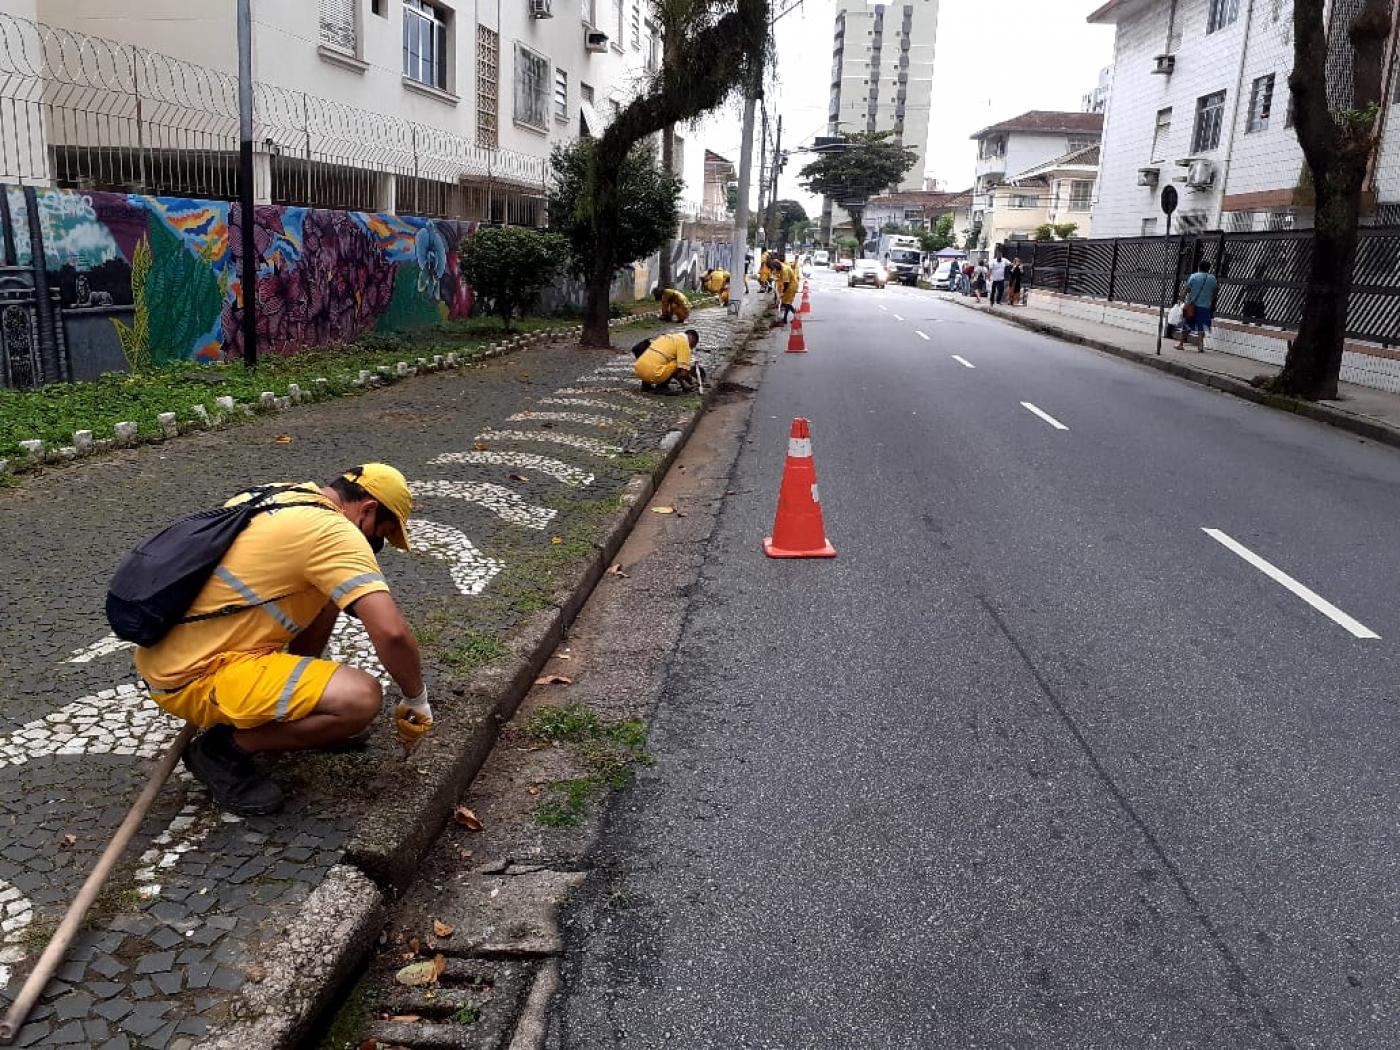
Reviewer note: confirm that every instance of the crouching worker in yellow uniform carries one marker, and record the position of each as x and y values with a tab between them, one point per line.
716	282
665	358
245	662
674	305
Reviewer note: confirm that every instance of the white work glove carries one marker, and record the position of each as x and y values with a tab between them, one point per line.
413	718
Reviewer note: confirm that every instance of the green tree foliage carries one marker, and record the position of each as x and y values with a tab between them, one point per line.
711	47
789	215
135	338
942	235
647	212
510	266
866	164
1043	232
1066	230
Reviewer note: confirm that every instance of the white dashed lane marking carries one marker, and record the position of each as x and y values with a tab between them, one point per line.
1273	572
581	418
554	468
507	505
963	361
1043	415
920	334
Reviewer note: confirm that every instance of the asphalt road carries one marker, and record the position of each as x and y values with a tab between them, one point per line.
1037	761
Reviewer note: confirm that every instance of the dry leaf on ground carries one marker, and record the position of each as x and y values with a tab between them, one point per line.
533	790
416	975
663	510
69	840
480	446
441	929
465	817
415	945
403	1018
518	477
556	539
554	679
616	570
283	439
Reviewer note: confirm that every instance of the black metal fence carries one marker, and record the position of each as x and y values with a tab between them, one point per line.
1262	275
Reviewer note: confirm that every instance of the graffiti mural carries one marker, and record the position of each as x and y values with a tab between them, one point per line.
154	280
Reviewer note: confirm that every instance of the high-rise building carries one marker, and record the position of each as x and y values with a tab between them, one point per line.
882	74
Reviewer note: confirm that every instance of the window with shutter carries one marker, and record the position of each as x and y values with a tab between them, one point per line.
487	70
636	25
338	25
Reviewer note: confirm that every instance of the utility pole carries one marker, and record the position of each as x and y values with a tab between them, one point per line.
738	288
762	165
248	270
775	169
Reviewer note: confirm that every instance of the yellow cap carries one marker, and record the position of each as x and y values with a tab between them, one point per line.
390	489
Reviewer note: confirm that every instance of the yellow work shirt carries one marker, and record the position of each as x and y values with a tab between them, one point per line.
674	305
295	560
786	279
663	357
715	283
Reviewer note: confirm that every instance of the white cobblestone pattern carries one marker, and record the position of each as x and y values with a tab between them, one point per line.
554	468
628	396
470	570
16	913
582	418
350	645
117	721
186	830
509	506
585	444
106	647
584	402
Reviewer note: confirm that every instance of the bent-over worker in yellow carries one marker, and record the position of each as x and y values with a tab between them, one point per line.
665	358
246	663
716	282
674	305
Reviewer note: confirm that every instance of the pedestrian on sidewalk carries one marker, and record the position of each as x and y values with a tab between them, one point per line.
674	305
785	284
965	278
1198	305
664	358
979	281
1015	277
997	271
246	661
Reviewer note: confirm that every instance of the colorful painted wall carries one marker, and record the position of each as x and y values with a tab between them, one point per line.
164	272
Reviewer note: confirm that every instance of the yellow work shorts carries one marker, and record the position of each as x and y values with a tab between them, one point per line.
251	689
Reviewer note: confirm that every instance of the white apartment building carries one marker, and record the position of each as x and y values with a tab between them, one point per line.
443	107
1033	166
1200	101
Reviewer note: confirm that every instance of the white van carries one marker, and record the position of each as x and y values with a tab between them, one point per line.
820	258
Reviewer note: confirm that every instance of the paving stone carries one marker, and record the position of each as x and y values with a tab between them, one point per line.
198	976
95	1031
71	1034
31	1034
117	1042
106	966
228	979
161	1036
114	1009
165	937
169	983
221	922
103	989
144	1019
78	1004
190	956
143	989
157	962
192	1026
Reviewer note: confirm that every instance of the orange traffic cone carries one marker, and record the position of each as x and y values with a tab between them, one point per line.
806	306
796	343
798	531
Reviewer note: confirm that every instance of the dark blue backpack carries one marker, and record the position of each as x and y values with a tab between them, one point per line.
159	581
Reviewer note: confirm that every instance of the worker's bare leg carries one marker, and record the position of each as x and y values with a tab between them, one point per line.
350	703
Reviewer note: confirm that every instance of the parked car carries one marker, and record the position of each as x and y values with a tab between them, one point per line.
944	271
820	258
867	271
842	265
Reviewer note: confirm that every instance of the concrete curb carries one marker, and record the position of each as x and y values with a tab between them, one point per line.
1340	418
387	847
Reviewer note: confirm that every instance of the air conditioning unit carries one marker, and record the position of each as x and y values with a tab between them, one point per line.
1200	174
1148	176
540	9
1164	65
594	40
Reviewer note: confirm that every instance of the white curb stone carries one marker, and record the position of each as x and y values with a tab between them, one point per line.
82	440
293	393
126	433
168	425
34	448
224	404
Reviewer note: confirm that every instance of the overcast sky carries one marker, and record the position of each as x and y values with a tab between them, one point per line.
993	60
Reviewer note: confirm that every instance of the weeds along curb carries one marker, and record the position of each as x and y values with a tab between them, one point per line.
1340	418
338	926
226	411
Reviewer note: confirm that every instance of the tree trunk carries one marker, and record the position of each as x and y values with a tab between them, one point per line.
664	277
1314	361
604	265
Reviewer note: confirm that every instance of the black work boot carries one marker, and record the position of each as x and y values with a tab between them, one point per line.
229	774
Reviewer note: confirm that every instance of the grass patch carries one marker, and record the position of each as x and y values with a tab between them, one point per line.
349	1021
637	462
467	1015
52	413
611	752
476	650
571	723
566	804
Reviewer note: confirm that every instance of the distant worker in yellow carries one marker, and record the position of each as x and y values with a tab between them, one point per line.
785	288
674	305
716	282
765	272
665	358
